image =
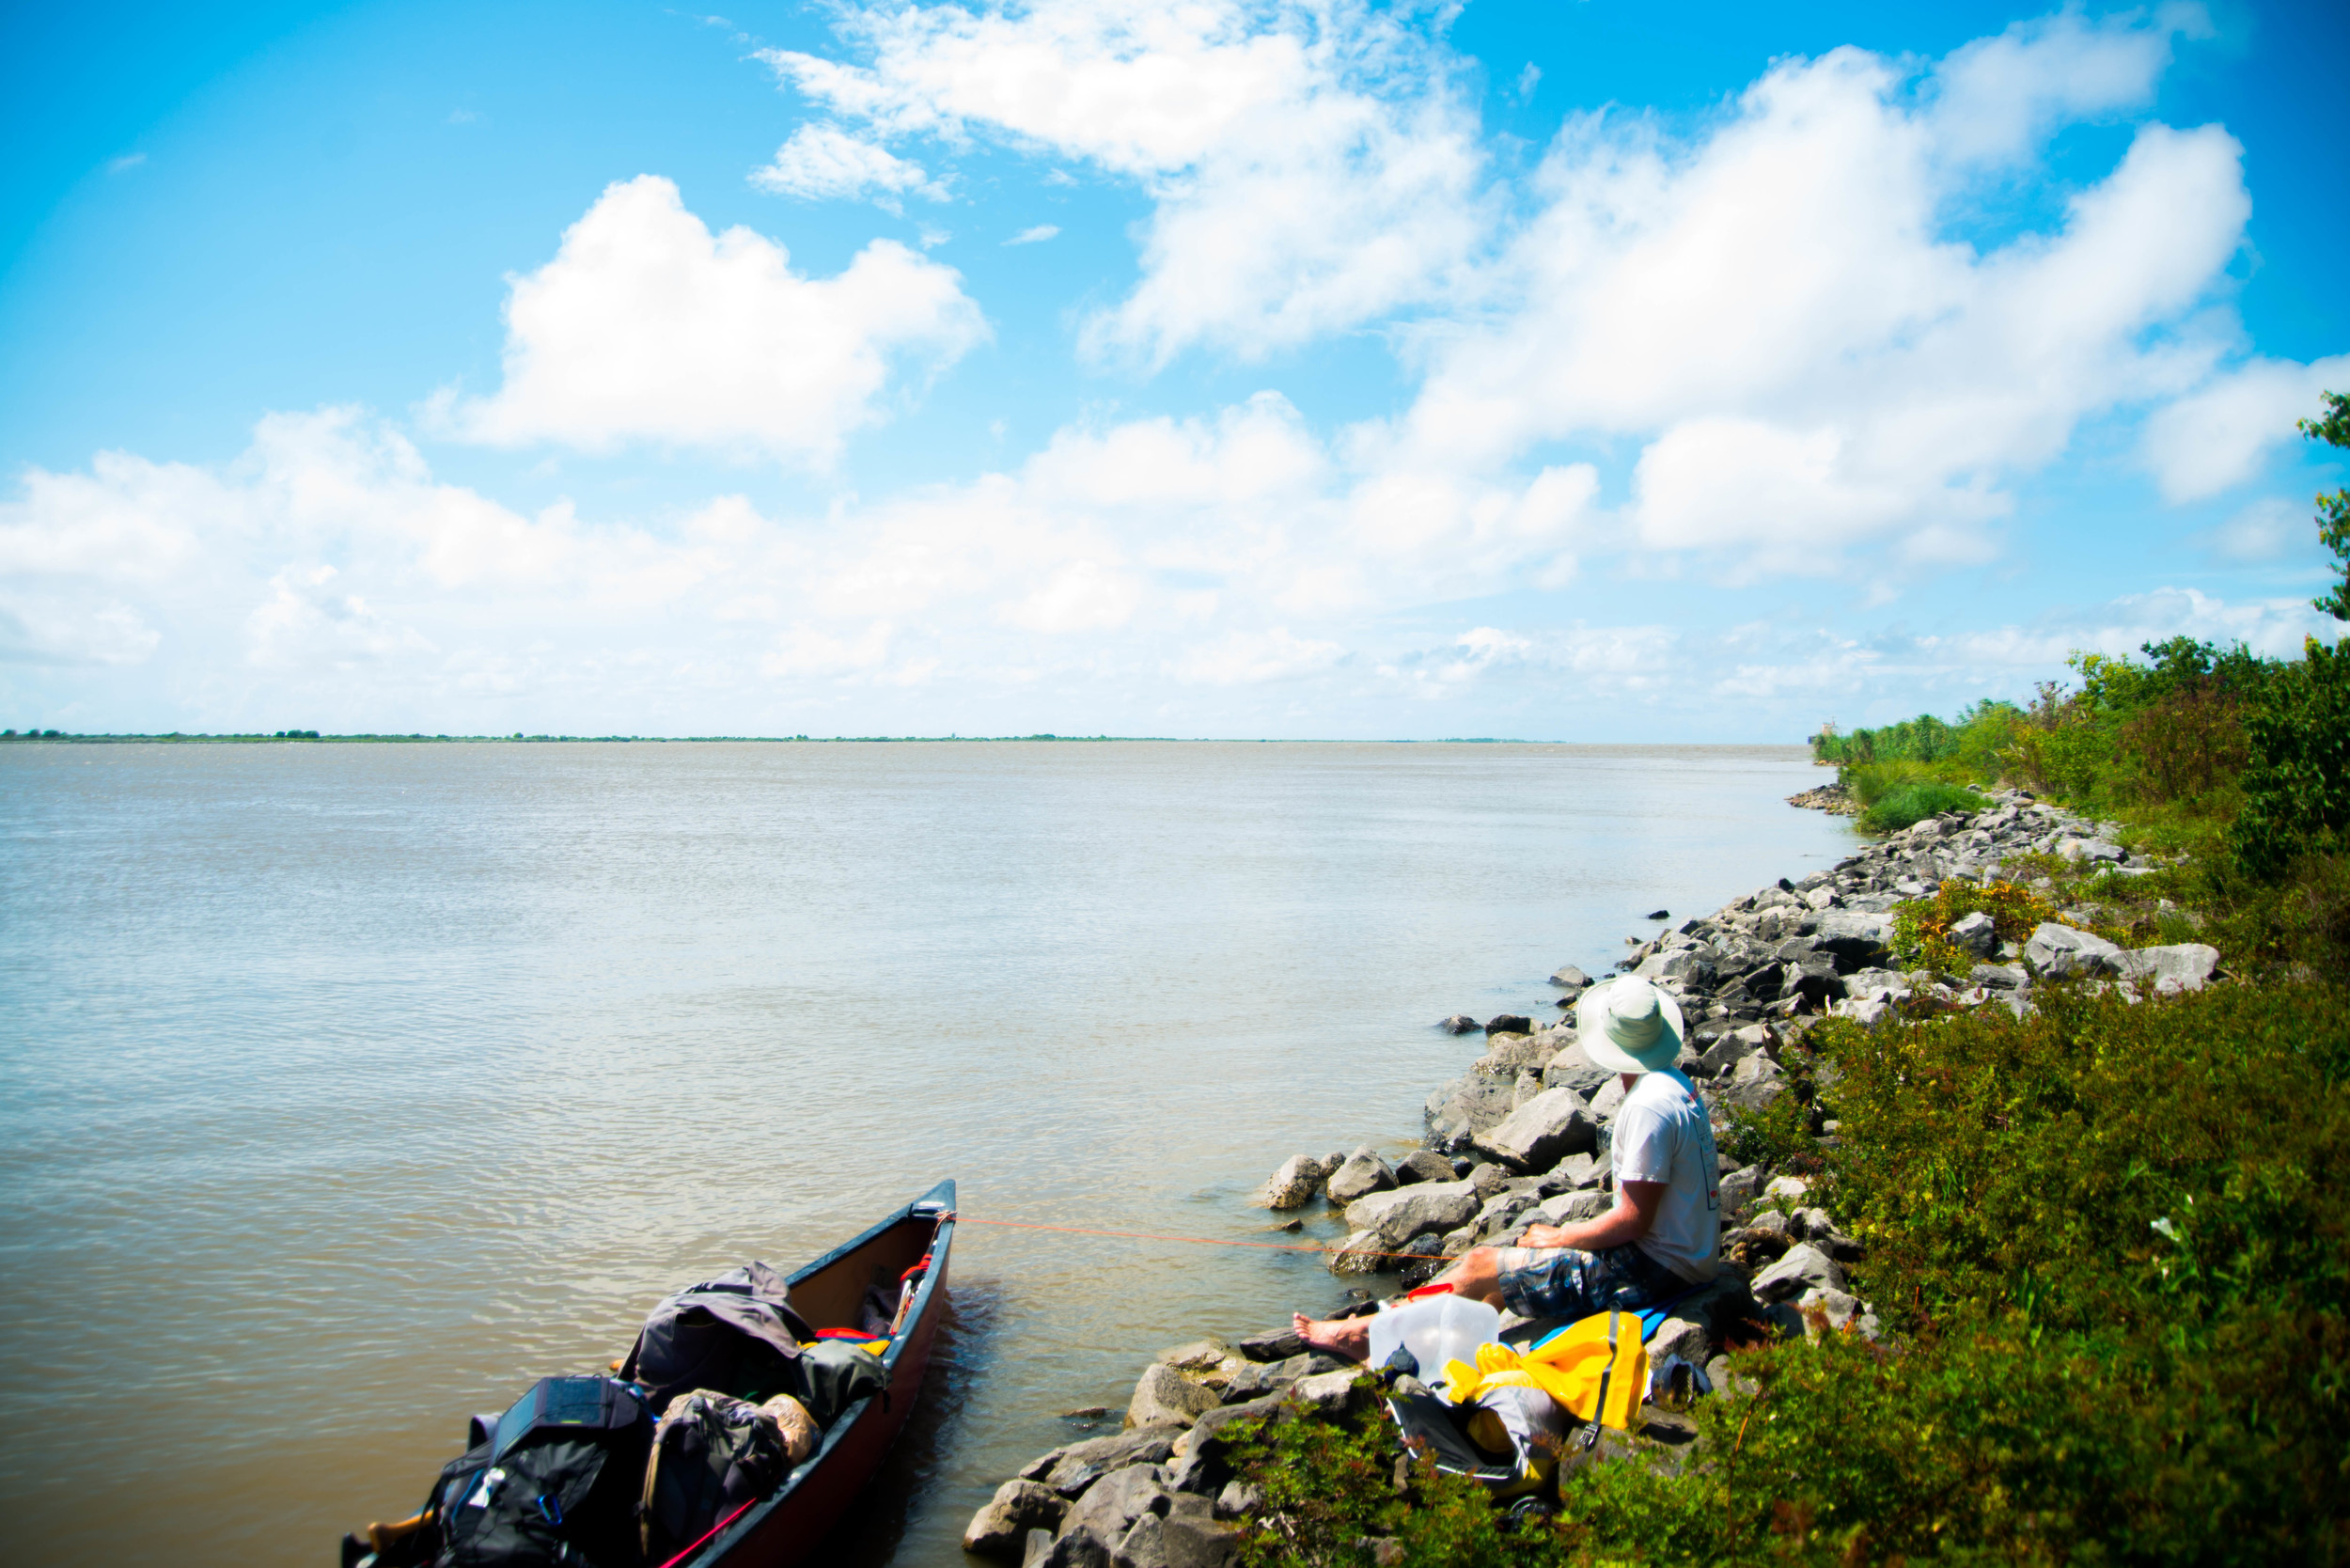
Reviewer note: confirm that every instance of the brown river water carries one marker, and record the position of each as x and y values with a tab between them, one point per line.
345	1089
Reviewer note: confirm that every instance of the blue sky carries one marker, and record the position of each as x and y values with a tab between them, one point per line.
1591	372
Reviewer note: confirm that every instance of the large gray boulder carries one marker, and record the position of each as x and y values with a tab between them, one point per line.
1361	1253
1422	1165
1079	1548
2093	849
1464	1107
1277	1344
2182	967
1740	1187
1363	1173
1976	934
1729	1049
1571	1069
2060	952
1800	1268
1512	1054
1691	967
1115	1502
1541	1133
1294	1185
1570	976
1166	1396
1069	1470
1572	1208
1854	938
1329	1393
1204	1469
1429	1208
1179	1539
1608	1098
1755	1082
1261	1378
1000	1528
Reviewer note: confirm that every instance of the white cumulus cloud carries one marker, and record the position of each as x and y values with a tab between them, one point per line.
2216	437
823	163
1311	167
647	327
1783	312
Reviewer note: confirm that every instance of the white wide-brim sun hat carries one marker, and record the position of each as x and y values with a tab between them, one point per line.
1626	1024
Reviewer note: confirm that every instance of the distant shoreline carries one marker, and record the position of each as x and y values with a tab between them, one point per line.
314	738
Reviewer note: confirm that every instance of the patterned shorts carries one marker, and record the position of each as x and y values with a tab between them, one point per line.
1564	1282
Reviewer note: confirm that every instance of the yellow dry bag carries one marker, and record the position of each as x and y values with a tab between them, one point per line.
1597	1369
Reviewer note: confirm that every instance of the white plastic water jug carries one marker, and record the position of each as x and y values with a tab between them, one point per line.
1436	1330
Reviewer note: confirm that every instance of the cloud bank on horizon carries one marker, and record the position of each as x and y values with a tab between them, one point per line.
1698	416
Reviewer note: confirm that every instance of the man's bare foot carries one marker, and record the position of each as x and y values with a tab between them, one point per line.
1346	1337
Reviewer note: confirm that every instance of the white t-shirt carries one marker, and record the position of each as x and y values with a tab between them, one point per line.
1662	1134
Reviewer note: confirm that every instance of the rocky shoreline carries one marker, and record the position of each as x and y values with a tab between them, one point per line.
1522	1139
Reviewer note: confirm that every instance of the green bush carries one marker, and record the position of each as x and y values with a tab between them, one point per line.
1870	782
1914	803
2296	789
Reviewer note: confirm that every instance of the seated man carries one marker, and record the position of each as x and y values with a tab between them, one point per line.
1661	1239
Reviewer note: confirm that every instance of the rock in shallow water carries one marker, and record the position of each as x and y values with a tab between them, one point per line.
1294	1185
1000	1528
1430	1208
1167	1397
1464	1107
1422	1165
1363	1173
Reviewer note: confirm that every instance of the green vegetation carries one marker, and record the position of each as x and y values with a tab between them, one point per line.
2333	510
2234	766
2106	1240
1914	803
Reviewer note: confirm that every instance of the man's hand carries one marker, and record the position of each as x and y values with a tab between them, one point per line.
1628	1222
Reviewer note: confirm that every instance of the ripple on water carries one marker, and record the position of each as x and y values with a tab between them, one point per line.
343	1090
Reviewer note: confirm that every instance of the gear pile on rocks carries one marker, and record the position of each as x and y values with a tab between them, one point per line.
1522	1139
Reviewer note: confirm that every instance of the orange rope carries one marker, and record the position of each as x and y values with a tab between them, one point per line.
1202	1241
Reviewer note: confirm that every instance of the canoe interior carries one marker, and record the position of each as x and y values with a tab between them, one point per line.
829	1293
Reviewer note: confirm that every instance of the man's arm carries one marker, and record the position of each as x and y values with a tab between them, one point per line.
1628	1222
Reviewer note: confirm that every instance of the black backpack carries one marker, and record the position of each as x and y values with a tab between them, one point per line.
711	1454
554	1486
